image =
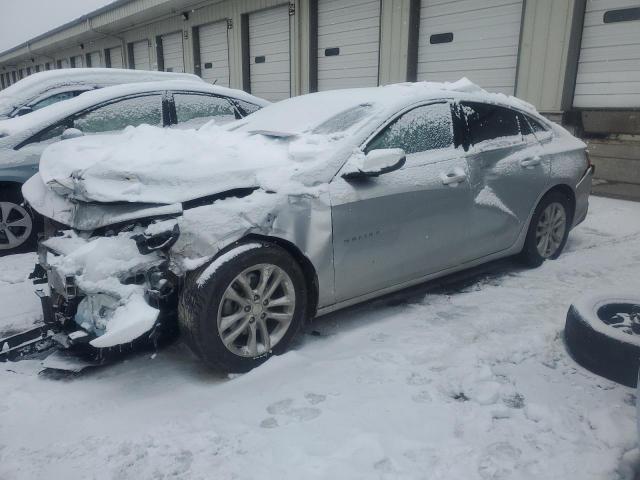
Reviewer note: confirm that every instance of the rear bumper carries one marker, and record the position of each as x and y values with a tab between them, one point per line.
583	190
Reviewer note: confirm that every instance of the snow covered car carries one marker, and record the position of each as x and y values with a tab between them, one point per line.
46	88
183	104
246	231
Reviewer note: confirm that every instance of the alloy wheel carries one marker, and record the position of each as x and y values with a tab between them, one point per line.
15	225
550	230
256	310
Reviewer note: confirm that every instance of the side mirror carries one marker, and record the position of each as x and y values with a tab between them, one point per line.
377	162
71	133
23	111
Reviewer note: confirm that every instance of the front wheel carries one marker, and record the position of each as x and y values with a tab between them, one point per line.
548	230
246	305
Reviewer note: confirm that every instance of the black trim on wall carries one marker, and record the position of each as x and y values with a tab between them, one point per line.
313	46
107	58
246	61
573	55
160	53
195	41
131	62
414	34
87	58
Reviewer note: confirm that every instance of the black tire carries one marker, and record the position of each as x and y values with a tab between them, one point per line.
199	303
530	255
13	195
599	347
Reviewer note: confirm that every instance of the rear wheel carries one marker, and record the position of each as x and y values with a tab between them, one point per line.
548	230
244	307
18	230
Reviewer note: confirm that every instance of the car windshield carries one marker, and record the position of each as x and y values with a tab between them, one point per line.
320	113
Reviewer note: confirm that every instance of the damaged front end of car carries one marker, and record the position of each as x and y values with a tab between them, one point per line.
109	290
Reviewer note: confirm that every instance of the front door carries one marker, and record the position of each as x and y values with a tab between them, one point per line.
404	224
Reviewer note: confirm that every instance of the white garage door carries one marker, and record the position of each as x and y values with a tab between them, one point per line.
94	60
477	39
214	53
609	65
141	55
269	56
115	56
76	61
348	43
172	52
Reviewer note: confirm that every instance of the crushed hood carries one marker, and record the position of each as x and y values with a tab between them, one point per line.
166	166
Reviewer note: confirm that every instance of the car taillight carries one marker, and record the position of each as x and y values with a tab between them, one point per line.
590	166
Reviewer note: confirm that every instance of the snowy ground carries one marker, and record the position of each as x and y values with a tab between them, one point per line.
470	380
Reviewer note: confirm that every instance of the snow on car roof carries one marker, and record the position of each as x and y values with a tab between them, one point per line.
57	111
305	113
32	86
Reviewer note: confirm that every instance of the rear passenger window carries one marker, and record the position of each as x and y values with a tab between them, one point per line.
419	130
491	122
118	115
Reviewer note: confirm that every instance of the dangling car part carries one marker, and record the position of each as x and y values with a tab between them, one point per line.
602	333
244	232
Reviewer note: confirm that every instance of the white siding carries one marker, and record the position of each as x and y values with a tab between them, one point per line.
269	42
486	36
353	27
141	55
115	55
214	53
609	65
172	52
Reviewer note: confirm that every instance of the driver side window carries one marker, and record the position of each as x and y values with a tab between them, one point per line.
424	128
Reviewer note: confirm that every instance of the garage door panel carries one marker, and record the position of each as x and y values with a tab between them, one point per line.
468	6
486	37
269	41
172	52
351	28
214	53
609	62
141	59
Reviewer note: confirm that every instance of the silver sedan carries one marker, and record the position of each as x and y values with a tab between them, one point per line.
327	200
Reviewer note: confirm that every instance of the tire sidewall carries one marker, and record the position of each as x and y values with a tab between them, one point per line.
210	345
530	251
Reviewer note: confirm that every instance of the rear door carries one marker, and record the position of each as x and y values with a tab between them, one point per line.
408	223
508	173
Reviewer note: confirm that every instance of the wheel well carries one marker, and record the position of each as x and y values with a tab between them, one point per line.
308	269
567	192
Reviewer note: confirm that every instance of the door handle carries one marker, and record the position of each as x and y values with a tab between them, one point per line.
530	162
454	178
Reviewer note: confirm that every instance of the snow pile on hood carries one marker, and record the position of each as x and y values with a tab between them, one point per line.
155	165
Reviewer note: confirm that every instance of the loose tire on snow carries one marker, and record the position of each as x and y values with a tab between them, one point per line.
603	335
226	296
18	226
553	203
